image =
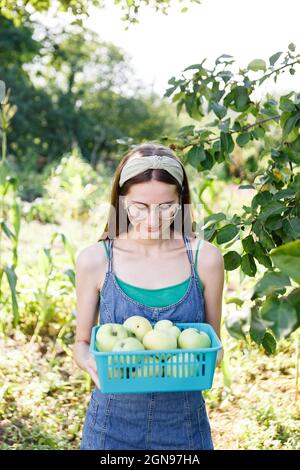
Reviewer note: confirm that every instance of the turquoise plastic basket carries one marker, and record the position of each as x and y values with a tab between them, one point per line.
160	370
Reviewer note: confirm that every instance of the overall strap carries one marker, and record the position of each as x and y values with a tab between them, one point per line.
190	254
197	249
109	253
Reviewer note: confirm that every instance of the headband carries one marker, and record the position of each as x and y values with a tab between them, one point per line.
137	165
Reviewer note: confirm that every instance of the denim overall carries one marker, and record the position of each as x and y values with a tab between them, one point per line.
153	420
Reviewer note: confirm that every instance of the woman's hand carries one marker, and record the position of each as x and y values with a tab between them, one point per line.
91	369
86	361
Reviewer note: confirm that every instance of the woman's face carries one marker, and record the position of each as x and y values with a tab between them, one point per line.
152	205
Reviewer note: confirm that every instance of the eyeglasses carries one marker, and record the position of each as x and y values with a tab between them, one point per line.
140	212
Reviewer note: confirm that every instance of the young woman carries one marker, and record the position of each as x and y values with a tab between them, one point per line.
154	266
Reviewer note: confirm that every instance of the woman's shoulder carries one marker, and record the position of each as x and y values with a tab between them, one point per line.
93	261
211	255
92	256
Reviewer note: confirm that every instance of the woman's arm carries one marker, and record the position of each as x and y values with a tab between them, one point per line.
210	265
88	265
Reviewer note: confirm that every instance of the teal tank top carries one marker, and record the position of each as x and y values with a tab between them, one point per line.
157	297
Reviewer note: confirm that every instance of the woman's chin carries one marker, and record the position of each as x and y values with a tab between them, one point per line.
155	233
147	232
152	232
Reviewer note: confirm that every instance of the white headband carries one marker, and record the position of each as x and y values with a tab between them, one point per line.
137	165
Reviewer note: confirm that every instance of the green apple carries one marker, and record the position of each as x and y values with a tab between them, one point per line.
159	339
191	338
137	326
149	368
182	366
163	324
167	325
174	330
128	344
108	334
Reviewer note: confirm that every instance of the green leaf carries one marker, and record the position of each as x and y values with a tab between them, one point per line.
68	248
294	299
4	171
186	130
223	56
227	233
257	327
226	372
274	58
261	256
179	107
235	300
16	217
269	343
272	208
246	186
261	199
290	123
292	154
248	265
213	218
7	230
285	104
248	244
195	155
169	91
210	233
241	98
194	66
269	108
224	126
257	227
207	163
257	64
292	47
287	258
280	315
270	283
266	240
232	260
258	132
70	273
12	281
284	194
227	144
216	93
219	110
193	105
292	227
226	75
274	222
235	323
243	139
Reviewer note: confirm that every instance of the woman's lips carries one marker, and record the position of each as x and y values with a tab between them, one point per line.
151	229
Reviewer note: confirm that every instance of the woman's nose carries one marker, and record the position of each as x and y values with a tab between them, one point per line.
153	216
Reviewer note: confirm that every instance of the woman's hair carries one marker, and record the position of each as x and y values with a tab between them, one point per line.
112	227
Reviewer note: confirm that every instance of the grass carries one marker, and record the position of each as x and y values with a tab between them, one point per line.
44	396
